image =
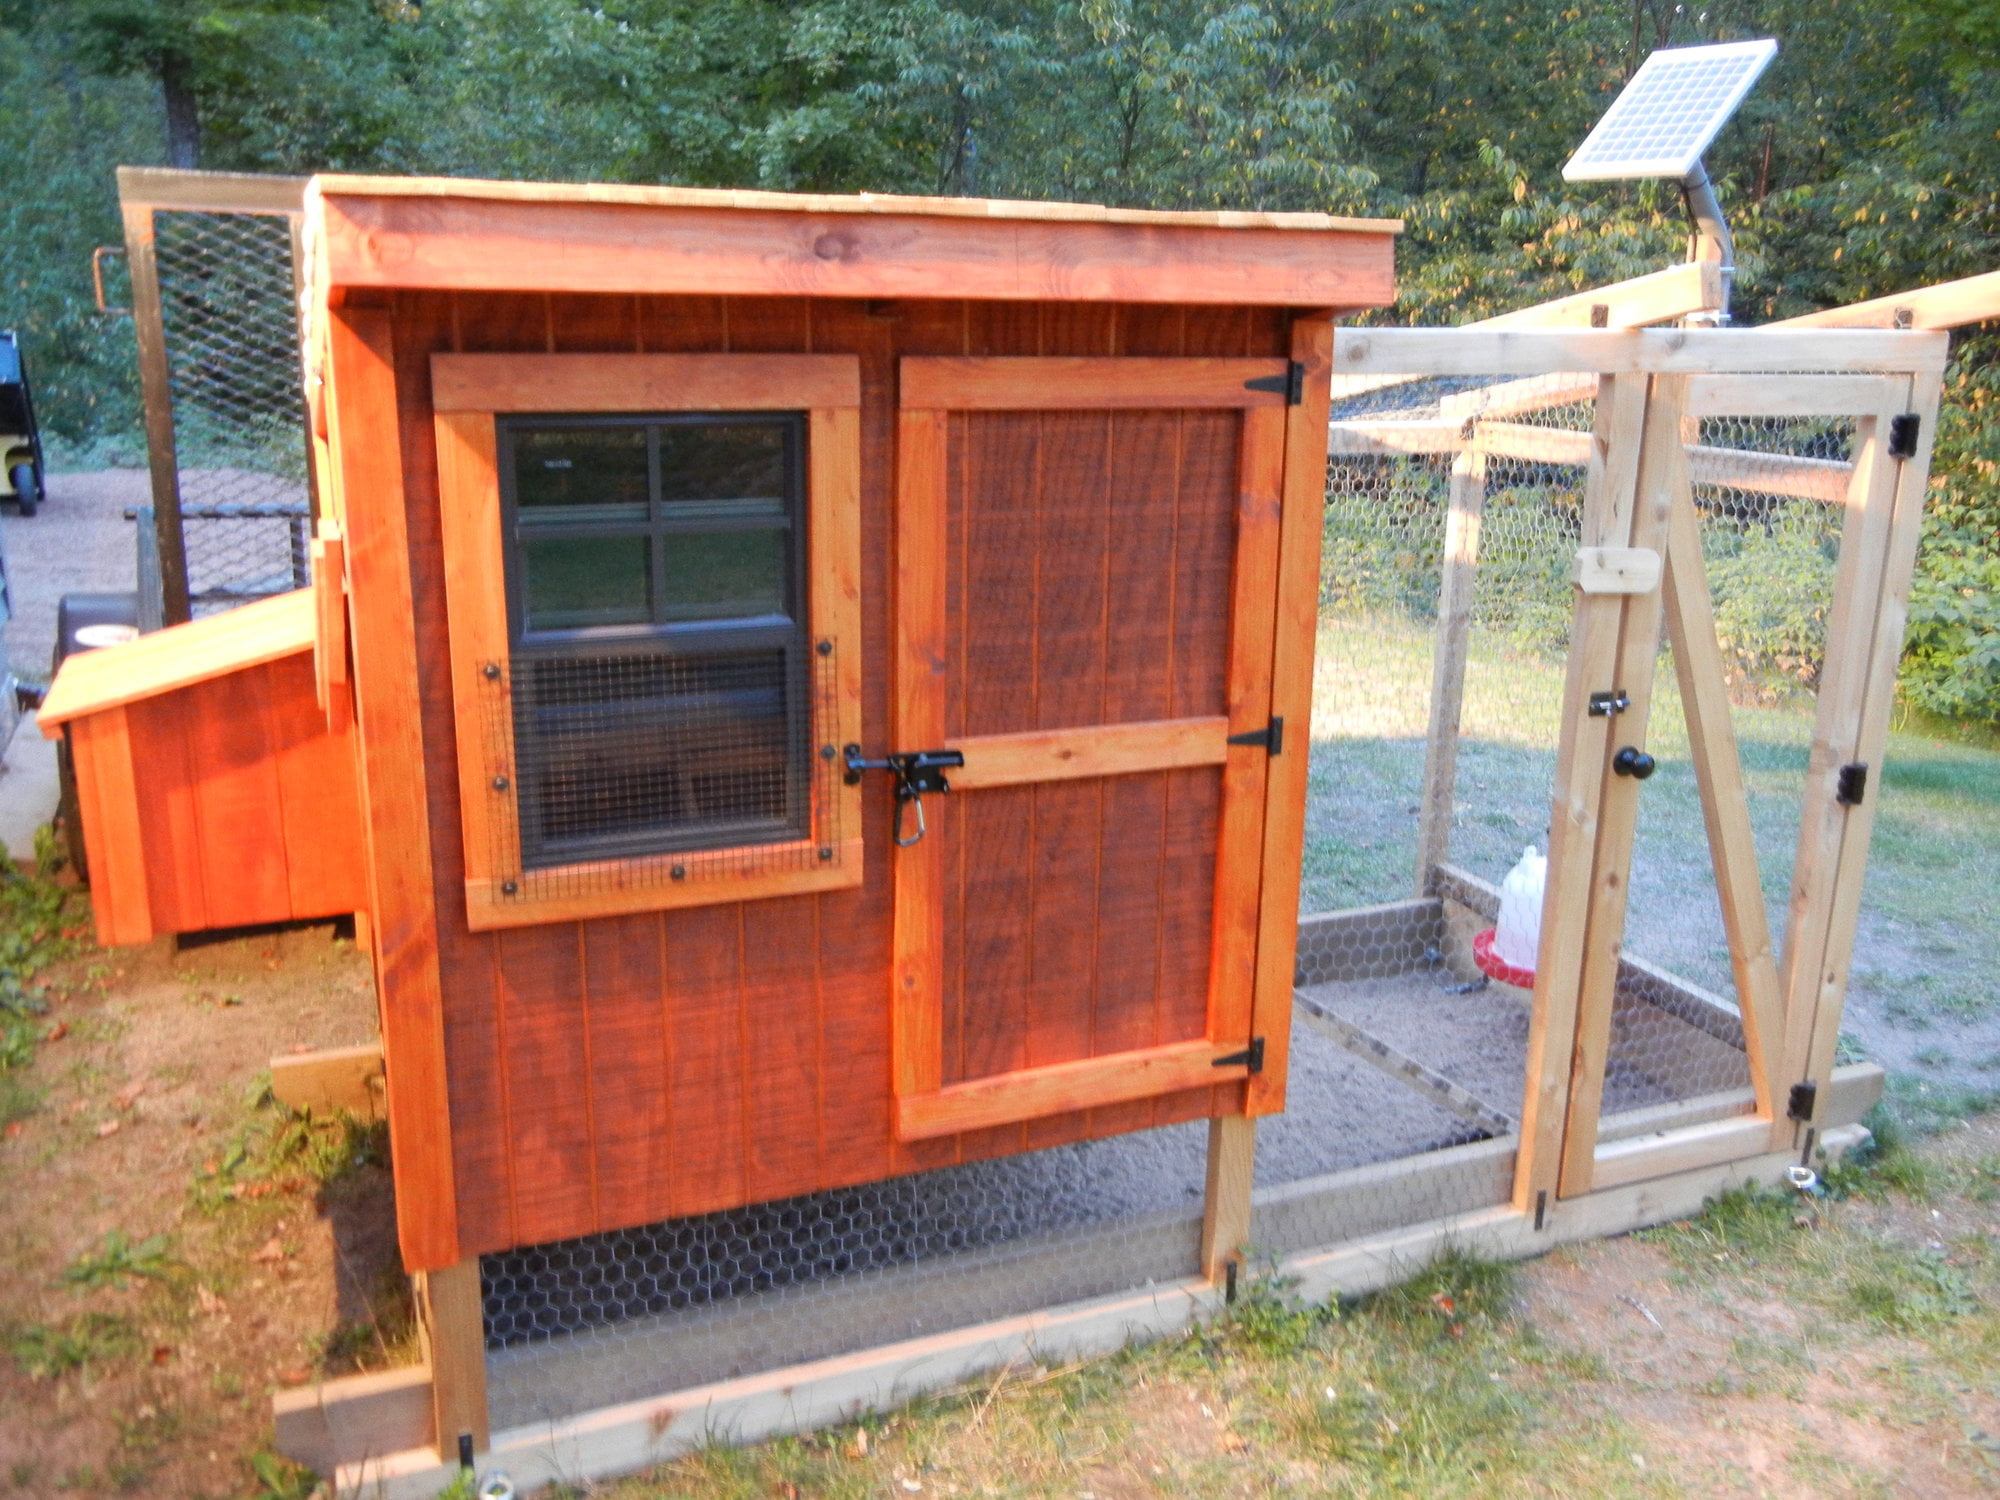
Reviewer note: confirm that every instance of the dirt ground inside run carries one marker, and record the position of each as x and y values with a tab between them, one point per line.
173	1248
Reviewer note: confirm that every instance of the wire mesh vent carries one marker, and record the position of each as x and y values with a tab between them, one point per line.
642	767
229	314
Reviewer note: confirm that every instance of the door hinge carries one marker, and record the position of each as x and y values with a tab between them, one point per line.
1903	432
1271	736
1851	785
1251	1057
1805	1096
1291	385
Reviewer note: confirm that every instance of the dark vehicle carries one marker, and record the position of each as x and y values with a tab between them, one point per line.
21	472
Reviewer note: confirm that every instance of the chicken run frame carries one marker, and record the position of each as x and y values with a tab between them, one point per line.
868	954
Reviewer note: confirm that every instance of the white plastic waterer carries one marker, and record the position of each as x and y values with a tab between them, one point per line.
1520	931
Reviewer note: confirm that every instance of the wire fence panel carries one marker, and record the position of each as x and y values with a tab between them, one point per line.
229	314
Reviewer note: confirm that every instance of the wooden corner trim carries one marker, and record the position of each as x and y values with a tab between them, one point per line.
644	382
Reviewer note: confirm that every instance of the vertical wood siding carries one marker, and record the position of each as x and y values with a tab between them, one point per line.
623	1070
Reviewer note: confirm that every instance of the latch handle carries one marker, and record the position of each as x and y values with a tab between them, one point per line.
916	772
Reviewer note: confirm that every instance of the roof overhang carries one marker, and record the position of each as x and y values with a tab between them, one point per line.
454	235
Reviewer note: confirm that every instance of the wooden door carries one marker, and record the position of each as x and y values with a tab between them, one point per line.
1086	589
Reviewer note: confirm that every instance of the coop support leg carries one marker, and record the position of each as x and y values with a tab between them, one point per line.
1225	1221
1461	572
453	1328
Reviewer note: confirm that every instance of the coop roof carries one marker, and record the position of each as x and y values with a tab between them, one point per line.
179	657
451	233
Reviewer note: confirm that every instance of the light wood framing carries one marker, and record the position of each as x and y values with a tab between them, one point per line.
453	1327
483	386
994	760
1665	351
1436	803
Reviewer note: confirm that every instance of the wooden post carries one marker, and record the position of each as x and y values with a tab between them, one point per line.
1225	1220
157	393
1855	702
452	1321
1454	633
1724	801
1662	472
1581	763
367	470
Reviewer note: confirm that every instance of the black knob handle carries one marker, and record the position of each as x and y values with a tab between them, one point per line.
1634	762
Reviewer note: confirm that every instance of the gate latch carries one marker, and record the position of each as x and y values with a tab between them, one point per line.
916	772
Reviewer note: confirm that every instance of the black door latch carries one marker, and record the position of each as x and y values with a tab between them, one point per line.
916	772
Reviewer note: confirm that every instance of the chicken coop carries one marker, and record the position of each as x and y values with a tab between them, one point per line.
847	700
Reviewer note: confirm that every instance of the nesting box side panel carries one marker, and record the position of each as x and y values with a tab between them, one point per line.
622	1070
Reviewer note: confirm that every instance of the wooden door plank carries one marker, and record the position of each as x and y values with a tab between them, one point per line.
1725	803
363	424
922	659
1036	755
1296	629
1239	855
1662	474
1089	383
1086	1083
1454	637
1581	761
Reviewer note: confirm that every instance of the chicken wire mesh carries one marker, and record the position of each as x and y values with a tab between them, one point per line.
229	319
645	767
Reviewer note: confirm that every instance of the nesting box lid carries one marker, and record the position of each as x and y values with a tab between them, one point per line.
453	234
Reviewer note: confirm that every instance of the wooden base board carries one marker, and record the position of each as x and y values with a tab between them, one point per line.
623	1438
334	1078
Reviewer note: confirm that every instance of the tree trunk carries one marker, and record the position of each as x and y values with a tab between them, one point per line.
183	117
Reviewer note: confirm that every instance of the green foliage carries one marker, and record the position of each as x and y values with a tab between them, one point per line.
46	1352
121	1261
1771	583
278	1478
1951	660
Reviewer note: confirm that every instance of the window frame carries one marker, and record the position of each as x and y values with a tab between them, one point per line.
471	394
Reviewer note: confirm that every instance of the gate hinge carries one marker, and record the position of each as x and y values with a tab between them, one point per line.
1607	705
1903	432
1804	1097
1852	784
1251	1057
1271	736
1291	385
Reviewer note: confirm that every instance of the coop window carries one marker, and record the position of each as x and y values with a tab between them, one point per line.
660	670
654	626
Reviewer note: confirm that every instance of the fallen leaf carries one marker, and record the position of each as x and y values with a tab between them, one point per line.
1234	1443
130	1096
57	1032
861	1442
162	1353
109	1127
296	1375
208	1302
14	1128
273	1250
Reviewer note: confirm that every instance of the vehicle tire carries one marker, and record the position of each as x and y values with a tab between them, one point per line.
27	487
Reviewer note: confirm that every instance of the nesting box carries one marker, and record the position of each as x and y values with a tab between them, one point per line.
822	671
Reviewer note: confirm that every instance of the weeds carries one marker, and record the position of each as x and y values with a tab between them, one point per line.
121	1261
282	1151
44	1352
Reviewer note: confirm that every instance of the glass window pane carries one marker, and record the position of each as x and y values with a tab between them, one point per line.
580	473
723	461
714	574
570	582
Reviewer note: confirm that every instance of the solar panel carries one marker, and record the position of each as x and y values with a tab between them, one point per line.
1673	107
